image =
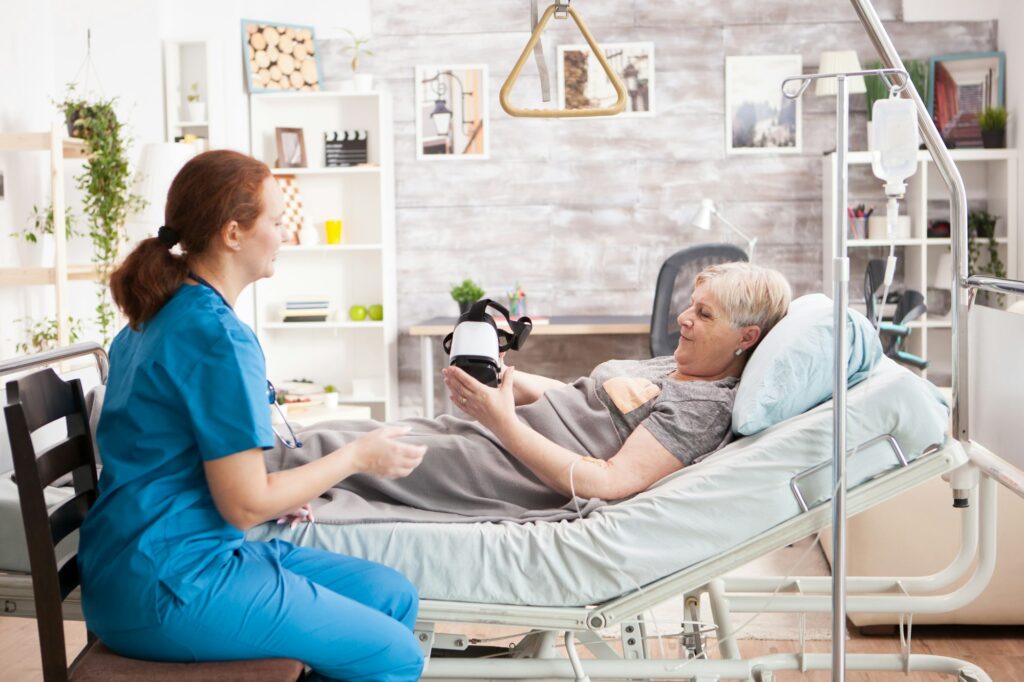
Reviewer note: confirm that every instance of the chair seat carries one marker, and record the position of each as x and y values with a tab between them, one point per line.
100	664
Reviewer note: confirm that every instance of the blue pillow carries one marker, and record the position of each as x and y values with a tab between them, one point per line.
791	369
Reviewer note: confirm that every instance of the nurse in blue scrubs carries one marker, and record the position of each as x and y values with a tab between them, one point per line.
166	572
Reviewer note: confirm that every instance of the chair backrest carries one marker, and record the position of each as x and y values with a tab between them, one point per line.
675	286
34	401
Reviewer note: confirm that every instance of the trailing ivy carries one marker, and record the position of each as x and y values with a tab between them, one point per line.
108	200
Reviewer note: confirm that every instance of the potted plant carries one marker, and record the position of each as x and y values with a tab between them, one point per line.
363	81
41	335
992	122
39	237
330	397
107	199
196	109
981	227
466	294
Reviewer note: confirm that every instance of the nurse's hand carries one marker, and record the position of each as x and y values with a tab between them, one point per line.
303	513
380	453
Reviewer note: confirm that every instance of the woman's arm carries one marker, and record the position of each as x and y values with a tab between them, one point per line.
529	387
640	461
246	495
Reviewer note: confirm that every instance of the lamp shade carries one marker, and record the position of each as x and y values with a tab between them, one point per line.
702	219
841	61
159	162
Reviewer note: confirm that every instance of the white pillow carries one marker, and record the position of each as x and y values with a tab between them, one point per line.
791	369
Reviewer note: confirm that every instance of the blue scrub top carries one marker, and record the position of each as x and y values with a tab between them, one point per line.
188	387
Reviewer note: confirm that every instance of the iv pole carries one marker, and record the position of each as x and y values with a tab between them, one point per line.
840	298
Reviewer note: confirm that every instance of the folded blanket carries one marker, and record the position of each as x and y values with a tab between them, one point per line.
466	474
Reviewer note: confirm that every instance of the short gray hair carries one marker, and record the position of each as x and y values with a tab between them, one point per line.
750	294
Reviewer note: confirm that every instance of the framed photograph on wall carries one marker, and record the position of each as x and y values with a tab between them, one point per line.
582	83
451	112
279	57
758	118
961	86
291	147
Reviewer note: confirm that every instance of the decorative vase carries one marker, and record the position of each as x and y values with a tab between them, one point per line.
464	307
308	235
331	401
993	139
196	112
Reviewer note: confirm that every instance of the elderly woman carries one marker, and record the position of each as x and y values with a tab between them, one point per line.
536	442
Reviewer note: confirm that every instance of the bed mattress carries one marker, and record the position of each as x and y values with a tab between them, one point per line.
698	512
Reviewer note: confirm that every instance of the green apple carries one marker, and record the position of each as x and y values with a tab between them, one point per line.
376	312
357	313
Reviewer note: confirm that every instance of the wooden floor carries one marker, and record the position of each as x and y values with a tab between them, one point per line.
997	650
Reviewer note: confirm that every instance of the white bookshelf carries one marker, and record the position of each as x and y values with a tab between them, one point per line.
990	176
200	62
358	357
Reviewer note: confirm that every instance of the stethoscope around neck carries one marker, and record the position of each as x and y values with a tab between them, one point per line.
291	442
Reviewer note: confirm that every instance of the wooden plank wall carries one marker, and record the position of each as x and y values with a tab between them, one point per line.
582	213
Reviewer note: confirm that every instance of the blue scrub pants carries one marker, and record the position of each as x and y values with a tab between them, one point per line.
346	618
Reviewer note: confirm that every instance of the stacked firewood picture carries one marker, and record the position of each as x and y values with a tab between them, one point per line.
281	57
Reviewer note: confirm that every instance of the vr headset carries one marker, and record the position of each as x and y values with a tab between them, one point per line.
475	343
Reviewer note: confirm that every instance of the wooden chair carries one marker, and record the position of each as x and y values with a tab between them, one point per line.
32	402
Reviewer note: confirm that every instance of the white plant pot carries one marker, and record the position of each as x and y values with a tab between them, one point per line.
331	401
195	111
38	255
363	82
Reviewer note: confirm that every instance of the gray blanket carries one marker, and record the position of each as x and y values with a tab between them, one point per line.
466	474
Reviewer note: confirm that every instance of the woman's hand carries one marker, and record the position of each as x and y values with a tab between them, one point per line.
495	408
303	513
380	453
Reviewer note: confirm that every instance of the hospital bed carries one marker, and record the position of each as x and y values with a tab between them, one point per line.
571	582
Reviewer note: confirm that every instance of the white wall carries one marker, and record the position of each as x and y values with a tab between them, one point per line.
43	47
951	10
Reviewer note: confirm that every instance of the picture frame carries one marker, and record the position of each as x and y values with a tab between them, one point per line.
291	148
633	62
452	118
279	57
759	119
960	86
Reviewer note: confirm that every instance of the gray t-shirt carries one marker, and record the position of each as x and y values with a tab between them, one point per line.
691	419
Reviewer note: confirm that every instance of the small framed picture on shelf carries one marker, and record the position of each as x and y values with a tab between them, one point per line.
291	148
962	86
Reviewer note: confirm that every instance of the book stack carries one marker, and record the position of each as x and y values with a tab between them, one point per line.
306	311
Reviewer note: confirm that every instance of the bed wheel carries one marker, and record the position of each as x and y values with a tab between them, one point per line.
761	675
968	674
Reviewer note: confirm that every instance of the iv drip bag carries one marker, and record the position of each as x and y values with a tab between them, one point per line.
895	142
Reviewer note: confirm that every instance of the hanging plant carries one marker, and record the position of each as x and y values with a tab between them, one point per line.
107	200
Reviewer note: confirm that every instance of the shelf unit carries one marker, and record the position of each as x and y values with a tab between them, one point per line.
60	273
358	357
185	63
990	176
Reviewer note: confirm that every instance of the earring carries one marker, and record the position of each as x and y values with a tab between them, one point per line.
739	351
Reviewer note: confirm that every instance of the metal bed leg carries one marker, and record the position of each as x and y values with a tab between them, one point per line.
727	645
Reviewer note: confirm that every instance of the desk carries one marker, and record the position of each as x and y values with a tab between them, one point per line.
558	325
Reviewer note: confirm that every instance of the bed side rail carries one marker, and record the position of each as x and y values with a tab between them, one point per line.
794	484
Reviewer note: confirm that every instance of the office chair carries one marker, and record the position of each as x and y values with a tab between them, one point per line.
32	402
675	286
909	307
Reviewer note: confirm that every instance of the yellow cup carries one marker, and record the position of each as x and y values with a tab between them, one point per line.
333	230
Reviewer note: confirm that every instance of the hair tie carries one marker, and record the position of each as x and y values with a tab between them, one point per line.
168	236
